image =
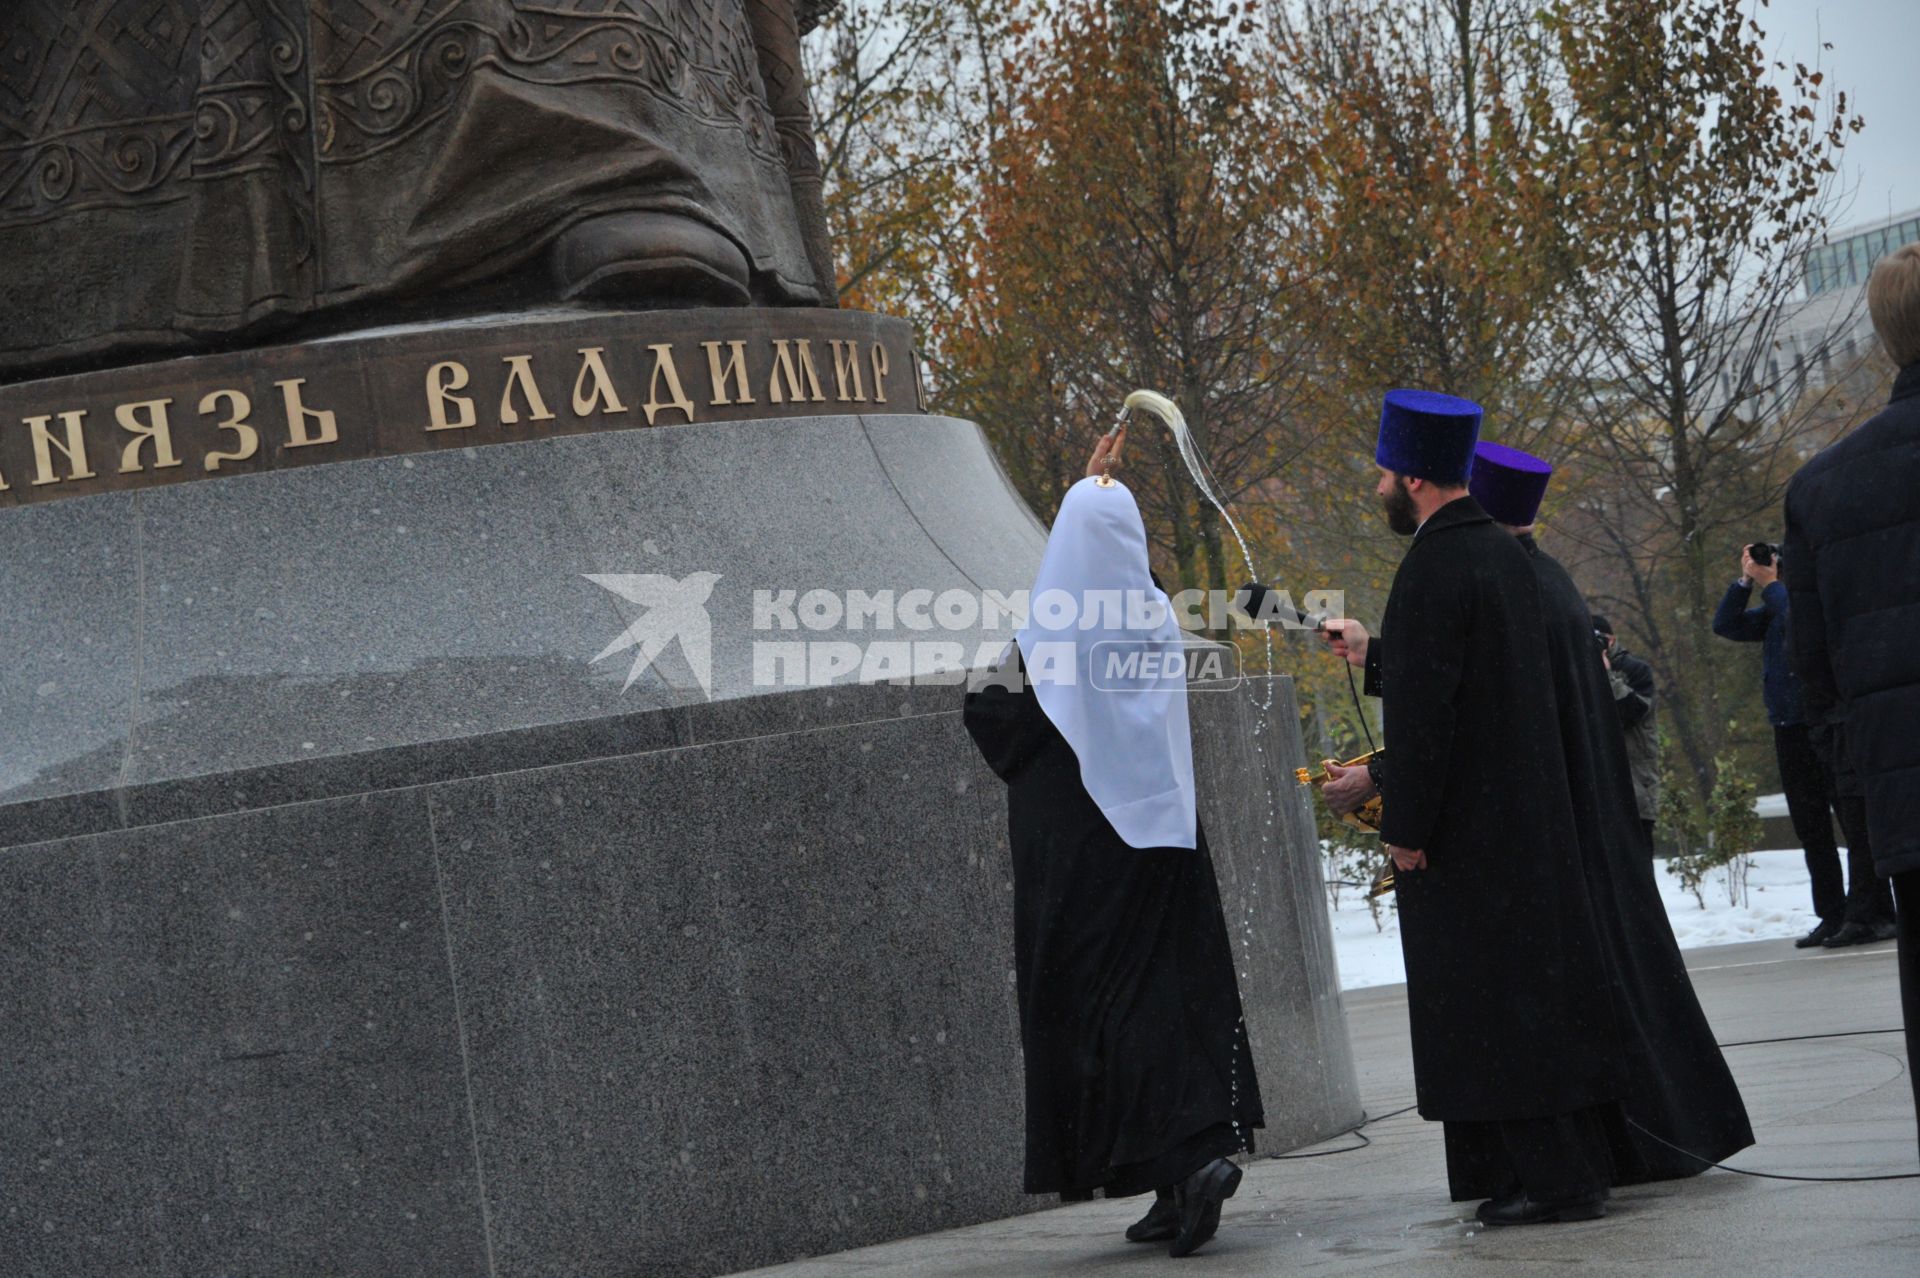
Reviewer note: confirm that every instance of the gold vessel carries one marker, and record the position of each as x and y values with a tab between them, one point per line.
1366	817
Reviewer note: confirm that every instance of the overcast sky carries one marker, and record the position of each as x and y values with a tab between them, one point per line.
1876	59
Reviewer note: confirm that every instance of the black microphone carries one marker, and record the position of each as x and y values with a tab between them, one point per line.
1253	598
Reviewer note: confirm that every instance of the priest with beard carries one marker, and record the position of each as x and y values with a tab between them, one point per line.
1682	1104
1138	1074
1516	1042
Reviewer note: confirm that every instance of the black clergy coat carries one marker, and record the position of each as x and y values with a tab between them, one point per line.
1130	1019
1678	1085
1508	996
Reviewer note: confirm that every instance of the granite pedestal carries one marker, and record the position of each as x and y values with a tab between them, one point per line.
359	923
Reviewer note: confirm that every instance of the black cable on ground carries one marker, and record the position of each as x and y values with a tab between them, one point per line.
1351	1131
1802	1038
1760	1175
1360	1128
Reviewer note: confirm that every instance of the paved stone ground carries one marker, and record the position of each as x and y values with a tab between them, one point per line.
1836	1106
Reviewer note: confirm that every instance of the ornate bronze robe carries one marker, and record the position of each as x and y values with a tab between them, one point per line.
179	172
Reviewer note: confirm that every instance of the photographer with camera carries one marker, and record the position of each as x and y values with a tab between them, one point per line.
1851	912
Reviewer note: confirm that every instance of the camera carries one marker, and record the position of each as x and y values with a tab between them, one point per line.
1602	641
1763	553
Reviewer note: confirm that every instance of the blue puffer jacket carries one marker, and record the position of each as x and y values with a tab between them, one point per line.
1767	624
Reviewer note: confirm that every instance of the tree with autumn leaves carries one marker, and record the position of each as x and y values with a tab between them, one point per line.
1434	252
1135	225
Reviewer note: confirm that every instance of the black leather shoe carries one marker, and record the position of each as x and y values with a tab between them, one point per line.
1818	936
1199	1197
1525	1211
1886	931
1849	934
1160	1224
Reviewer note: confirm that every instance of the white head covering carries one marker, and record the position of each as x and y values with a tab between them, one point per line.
1127	725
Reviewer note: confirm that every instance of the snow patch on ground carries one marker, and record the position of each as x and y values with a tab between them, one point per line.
1778	904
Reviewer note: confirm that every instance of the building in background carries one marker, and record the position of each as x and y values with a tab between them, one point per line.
1826	336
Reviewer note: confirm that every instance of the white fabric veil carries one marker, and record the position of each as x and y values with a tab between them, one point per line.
1104	655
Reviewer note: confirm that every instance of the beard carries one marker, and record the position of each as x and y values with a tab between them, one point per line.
1402	517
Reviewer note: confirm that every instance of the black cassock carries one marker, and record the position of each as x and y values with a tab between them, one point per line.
1137	1069
1679	1089
1508	995
1678	1085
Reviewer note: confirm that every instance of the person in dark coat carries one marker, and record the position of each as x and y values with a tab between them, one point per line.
1680	1091
1631	681
1858	908
1138	1073
1516	1044
1853	555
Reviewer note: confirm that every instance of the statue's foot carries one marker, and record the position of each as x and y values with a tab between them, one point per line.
652	258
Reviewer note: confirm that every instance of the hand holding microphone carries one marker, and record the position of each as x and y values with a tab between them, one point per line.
1347	638
1254	599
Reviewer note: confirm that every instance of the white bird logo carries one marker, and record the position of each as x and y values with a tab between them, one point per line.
671	610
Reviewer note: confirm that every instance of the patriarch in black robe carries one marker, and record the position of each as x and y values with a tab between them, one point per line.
1138	1074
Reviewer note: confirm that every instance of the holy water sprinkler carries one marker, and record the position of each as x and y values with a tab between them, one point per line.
1154	404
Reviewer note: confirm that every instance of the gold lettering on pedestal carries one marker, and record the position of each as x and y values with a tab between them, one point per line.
846	368
735	368
784	364
138	440
238	406
327	429
73	448
443	379
879	373
520	373
602	394
155	428
663	366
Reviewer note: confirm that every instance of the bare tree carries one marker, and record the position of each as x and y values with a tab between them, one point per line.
1437	235
906	97
1699	185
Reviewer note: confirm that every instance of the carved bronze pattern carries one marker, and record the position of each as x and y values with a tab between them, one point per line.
777	42
182	174
378	91
78	128
120	103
